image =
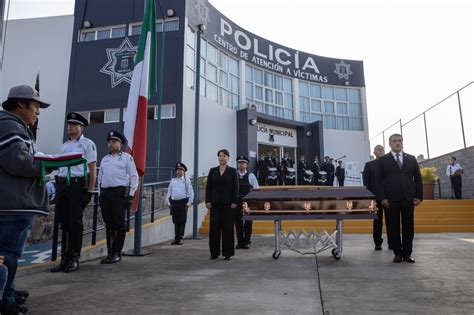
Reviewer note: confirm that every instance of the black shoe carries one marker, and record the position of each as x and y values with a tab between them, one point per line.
175	242
409	259
115	258
378	247
12	309
23	293
72	266
245	247
228	258
239	246
20	300
60	267
106	259
213	257
180	242
397	259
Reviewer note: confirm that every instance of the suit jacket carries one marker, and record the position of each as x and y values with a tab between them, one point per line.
302	167
222	189
368	176
393	183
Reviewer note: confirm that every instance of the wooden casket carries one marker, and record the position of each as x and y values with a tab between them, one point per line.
311	200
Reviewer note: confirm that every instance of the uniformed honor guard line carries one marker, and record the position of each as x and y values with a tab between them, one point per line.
95	228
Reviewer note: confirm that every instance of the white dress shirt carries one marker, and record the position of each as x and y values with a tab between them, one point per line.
82	145
118	170
451	169
400	156
180	188
252	179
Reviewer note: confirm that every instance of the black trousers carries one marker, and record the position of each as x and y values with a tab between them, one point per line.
179	214
222	226
113	205
340	181
242	228
378	226
456	184
70	211
402	246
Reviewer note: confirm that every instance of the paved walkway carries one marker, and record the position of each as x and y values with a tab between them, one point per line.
181	279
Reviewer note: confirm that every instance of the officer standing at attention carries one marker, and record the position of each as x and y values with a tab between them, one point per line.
302	167
315	168
262	170
118	182
247	182
179	197
340	173
72	198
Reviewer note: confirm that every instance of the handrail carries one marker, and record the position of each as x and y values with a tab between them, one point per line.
444	99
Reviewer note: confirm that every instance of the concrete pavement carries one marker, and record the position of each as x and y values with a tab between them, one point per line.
181	279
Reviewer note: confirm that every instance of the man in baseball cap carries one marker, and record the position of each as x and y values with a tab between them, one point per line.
19	174
22	92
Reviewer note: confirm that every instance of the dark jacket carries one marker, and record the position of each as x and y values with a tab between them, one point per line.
393	183
20	191
340	172
368	176
222	189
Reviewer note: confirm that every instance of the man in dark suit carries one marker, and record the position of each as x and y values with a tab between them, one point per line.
302	166
369	183
400	189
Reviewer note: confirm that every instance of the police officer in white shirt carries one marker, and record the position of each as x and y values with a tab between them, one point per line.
72	198
454	171
247	182
118	182
179	197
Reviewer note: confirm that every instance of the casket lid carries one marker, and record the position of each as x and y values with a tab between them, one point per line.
287	193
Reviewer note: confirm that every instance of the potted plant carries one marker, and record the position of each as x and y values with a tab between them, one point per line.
429	178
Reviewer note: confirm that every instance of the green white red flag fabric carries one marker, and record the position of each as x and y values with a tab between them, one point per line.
143	86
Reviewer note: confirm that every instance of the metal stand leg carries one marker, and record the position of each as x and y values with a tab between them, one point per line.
337	252
277	252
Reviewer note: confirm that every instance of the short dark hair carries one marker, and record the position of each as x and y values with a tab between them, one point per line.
394	135
453	158
225	151
12	103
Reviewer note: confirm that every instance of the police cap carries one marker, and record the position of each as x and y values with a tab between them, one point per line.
77	119
242	158
181	166
116	136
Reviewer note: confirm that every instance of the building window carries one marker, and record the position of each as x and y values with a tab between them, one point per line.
170	26
270	92
168	111
106	32
112	115
220	75
96	117
338	107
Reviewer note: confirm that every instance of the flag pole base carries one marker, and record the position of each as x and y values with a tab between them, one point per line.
142	253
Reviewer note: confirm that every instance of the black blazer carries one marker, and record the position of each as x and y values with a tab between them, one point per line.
393	183
222	189
368	176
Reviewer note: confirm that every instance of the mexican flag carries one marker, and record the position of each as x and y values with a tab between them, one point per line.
142	88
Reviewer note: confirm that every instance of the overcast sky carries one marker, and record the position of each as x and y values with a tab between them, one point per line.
415	53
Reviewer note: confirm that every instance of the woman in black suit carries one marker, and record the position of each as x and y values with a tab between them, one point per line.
222	191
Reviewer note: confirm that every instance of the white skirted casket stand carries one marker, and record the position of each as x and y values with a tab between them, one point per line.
279	203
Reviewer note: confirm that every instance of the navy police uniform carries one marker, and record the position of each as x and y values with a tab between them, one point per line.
179	197
71	199
247	181
118	182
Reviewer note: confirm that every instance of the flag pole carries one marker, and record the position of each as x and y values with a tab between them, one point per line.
160	93
137	240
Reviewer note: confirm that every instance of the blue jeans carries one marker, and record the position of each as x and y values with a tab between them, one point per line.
3	279
14	230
